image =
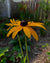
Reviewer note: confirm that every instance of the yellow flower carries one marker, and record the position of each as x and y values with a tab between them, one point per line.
25	26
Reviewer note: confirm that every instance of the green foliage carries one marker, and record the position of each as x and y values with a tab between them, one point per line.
42	32
24	61
2	54
36	15
16	44
12	58
16	48
29	49
2	33
46	45
48	53
45	7
25	13
49	58
47	23
19	55
2	25
4	60
43	46
2	51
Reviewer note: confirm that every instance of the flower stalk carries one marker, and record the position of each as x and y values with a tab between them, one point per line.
26	49
20	46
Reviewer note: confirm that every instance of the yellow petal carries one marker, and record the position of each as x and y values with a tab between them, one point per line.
34	33
12	30
27	32
12	24
18	22
9	24
37	25
15	33
33	23
11	21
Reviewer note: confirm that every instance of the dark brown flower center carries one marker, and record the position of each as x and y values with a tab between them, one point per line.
24	23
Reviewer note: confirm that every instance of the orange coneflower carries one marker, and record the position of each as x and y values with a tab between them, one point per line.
18	25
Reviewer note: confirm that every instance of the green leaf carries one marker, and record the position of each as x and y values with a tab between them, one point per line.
24	47
47	44
29	49
1	54
48	53
4	60
16	48
22	61
7	54
30	43
43	46
49	58
2	51
19	55
12	41
25	59
12	58
37	45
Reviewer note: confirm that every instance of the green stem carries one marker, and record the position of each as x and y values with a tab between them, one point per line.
20	46
26	49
